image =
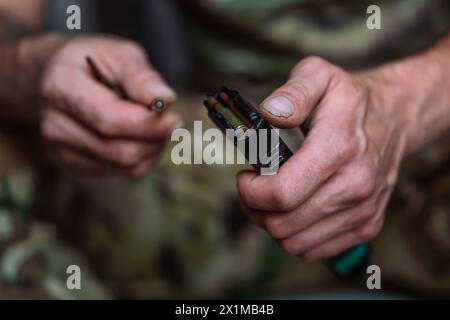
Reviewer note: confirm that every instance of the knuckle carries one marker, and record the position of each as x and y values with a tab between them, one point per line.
364	183
283	201
137	79
366	214
131	47
140	172
289	246
52	83
274	227
47	129
282	196
129	155
347	149
306	217
364	189
368	232
107	126
313	62
247	194
47	89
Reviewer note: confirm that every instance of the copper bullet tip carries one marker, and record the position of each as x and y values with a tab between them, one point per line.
158	105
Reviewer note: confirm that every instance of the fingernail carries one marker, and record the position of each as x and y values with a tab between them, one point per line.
159	89
278	106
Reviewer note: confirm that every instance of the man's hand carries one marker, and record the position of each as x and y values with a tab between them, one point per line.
92	128
332	193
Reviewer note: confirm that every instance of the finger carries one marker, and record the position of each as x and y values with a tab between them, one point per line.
317	160
60	128
332	247
100	109
143	84
324	230
255	216
130	68
81	163
342	242
141	170
292	103
353	185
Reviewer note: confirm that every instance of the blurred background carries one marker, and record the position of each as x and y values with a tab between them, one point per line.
179	233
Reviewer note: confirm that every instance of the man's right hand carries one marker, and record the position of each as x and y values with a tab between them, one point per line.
93	129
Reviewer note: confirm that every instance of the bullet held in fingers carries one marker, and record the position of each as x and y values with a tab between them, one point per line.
157	105
100	77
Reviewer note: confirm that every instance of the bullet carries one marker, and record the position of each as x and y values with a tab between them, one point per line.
232	106
98	75
157	105
226	112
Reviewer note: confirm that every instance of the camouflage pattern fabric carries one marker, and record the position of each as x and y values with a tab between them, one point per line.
180	233
267	37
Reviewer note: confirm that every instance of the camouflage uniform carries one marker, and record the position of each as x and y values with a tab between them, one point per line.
180	233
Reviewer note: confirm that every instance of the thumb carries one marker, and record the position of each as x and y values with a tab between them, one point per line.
143	84
290	105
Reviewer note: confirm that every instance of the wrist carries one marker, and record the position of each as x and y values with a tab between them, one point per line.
413	94
33	54
23	62
425	79
387	115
